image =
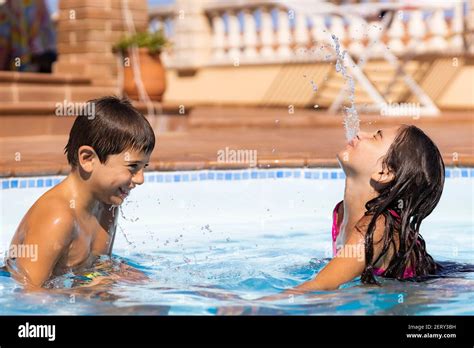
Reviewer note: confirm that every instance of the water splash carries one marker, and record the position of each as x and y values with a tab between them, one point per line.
120	228
314	86
351	117
112	209
120	208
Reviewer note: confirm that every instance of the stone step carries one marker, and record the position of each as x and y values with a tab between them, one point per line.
28	125
29	92
223	117
89	58
49	79
39	118
48	108
258	117
93	71
114	4
105	82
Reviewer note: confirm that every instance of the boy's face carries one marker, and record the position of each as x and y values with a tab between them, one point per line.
113	180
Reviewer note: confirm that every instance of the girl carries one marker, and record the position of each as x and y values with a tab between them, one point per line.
394	180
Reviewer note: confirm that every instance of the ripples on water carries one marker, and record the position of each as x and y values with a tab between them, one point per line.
228	277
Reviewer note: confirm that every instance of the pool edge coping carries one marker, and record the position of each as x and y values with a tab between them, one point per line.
235	174
50	169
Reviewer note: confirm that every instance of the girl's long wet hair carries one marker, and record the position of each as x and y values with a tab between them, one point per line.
414	192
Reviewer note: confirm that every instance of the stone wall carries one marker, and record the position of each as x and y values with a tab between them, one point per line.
87	31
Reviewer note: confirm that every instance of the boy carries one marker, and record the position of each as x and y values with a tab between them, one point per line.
74	223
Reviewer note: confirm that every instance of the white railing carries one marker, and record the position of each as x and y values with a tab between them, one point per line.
255	32
162	18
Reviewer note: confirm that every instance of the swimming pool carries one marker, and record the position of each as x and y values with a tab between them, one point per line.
210	240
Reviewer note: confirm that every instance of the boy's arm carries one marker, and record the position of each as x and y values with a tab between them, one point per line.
49	233
126	273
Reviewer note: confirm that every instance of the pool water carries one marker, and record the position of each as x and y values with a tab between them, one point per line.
213	242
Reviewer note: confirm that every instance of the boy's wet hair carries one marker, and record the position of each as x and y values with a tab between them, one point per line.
112	126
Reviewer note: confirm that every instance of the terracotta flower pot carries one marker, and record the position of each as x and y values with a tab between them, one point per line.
152	74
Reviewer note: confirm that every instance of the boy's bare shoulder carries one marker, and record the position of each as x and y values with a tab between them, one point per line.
52	211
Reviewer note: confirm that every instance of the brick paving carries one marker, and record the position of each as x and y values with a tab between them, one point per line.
190	148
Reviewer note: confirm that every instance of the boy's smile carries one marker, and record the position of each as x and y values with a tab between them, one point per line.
75	222
123	193
112	181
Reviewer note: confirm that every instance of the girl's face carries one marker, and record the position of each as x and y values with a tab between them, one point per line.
363	155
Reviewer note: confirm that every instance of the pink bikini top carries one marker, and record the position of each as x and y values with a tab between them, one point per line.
335	232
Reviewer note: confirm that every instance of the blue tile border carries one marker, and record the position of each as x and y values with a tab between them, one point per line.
25	183
221	175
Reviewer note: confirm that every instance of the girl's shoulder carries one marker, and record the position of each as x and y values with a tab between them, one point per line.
363	225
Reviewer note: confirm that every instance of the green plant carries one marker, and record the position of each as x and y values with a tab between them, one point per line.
154	41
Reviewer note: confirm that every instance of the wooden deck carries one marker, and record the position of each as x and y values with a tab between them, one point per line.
312	141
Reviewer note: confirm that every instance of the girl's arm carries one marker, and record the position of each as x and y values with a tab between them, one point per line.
348	264
345	266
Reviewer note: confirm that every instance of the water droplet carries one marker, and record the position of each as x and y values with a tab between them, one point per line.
351	117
